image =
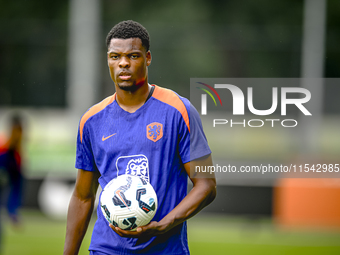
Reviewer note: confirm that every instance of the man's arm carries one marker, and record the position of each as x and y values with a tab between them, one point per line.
202	194
80	210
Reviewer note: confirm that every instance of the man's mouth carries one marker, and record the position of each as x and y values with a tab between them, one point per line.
125	76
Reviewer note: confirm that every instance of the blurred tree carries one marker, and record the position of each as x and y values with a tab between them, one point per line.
33	53
192	38
215	38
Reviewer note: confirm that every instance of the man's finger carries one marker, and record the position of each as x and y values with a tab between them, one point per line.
126	233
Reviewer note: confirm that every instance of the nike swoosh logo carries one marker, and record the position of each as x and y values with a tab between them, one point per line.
105	138
121	199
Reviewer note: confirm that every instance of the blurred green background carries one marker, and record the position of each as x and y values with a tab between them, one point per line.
188	39
207	234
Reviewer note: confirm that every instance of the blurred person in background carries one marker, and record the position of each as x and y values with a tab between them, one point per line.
11	170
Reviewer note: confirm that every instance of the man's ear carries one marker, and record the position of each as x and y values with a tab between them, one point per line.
148	58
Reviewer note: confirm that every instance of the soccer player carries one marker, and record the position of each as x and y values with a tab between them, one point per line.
10	161
143	127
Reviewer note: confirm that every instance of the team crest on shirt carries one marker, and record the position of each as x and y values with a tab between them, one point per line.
137	165
154	131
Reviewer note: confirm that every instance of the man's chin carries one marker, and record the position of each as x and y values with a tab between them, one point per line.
127	86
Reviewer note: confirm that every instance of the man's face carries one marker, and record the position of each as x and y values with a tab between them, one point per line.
128	61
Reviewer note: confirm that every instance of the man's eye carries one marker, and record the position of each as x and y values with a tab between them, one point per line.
134	56
114	57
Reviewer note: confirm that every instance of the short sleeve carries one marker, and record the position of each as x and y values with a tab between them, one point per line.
193	143
84	155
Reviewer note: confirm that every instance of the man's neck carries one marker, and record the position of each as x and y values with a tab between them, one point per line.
131	101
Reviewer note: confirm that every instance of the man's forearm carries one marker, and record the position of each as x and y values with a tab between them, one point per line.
200	196
78	218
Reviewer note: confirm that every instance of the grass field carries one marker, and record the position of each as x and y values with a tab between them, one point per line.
208	234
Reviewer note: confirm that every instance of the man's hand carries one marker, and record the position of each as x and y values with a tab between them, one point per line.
152	229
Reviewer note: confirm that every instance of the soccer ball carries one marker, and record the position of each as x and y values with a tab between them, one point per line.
128	202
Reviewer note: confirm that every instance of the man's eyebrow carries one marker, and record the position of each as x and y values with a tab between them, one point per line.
129	52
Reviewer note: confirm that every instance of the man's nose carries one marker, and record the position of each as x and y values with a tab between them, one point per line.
124	62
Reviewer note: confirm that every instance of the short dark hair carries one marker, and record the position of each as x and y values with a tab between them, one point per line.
129	29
